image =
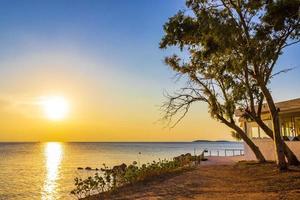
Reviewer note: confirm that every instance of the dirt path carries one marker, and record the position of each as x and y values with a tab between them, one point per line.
211	181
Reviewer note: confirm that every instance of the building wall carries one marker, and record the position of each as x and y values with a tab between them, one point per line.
266	146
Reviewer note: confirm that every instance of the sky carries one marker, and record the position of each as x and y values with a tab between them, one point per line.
103	58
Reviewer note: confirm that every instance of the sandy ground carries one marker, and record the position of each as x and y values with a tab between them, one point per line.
219	178
229	160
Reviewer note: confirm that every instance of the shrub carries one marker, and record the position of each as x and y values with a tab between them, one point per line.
112	178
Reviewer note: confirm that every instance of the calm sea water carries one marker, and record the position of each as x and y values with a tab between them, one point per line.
46	170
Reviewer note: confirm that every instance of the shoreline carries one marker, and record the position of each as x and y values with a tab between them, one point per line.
218	178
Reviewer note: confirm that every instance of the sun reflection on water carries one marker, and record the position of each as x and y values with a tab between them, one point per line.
53	152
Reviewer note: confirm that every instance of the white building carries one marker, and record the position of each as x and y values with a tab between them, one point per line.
289	114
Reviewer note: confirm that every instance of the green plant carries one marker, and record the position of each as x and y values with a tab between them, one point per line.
112	178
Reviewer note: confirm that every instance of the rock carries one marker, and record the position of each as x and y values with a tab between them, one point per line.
88	168
79	168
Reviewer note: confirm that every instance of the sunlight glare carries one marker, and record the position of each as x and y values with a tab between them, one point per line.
53	155
55	107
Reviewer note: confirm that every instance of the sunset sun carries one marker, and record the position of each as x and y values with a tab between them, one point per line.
55	107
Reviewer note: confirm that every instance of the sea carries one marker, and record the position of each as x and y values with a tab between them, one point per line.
46	171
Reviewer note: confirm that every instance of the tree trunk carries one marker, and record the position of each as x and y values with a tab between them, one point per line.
259	156
291	157
278	142
280	158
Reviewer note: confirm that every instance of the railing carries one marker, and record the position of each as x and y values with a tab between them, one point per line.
223	152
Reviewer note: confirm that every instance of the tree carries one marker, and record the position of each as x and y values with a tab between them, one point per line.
243	38
236	136
254	113
212	87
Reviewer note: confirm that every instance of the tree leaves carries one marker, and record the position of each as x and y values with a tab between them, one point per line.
232	47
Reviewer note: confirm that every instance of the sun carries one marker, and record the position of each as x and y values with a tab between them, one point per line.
55	107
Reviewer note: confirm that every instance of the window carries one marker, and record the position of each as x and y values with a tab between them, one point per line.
290	126
297	126
263	134
255	132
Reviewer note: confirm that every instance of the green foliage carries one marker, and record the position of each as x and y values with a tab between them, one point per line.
89	186
112	178
232	47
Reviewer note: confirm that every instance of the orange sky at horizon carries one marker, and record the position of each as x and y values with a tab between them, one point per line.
140	124
100	124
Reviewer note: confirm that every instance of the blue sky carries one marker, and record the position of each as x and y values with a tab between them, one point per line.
123	33
113	30
103	55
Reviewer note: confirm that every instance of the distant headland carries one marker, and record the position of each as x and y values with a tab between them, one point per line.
211	141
